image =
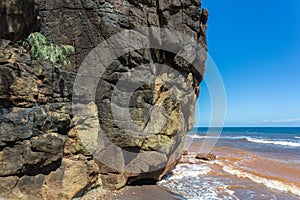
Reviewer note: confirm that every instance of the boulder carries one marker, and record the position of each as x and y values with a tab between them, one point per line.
206	157
185	152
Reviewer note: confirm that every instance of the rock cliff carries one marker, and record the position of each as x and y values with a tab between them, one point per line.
18	18
48	150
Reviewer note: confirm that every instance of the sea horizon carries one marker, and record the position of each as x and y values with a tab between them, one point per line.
298	126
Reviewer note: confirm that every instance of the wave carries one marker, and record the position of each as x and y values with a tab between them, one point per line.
188	181
285	161
276	142
297	137
195	136
274	184
188	170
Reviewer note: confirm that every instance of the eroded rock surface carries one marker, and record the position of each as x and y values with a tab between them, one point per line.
40	157
18	18
49	152
86	23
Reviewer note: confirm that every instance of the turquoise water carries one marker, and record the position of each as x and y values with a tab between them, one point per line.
274	140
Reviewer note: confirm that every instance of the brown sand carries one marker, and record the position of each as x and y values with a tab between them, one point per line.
145	192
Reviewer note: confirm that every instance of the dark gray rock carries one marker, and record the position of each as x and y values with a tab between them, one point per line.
35	124
48	152
18	18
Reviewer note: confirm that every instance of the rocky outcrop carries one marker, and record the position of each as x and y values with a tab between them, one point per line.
18	18
39	158
86	23
50	151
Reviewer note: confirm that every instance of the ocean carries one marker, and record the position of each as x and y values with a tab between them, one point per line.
252	164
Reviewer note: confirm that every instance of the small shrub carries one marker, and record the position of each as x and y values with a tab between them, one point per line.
39	48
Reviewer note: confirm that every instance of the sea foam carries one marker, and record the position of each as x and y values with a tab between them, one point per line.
195	136
275	142
189	181
188	170
274	184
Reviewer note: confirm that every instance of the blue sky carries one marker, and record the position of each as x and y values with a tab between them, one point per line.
256	47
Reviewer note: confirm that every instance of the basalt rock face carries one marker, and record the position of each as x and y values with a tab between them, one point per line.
86	23
48	150
39	157
18	18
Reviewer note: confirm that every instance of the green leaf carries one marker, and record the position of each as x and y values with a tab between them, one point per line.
39	48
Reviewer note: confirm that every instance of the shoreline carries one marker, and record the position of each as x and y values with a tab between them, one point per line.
220	163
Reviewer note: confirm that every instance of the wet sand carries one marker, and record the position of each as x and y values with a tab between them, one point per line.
259	172
145	192
149	192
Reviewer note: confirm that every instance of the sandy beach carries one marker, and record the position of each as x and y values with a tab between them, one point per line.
243	166
145	192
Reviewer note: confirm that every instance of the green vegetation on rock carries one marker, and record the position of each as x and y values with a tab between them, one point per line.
41	49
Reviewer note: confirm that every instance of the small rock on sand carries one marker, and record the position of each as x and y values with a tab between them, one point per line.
206	157
185	153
